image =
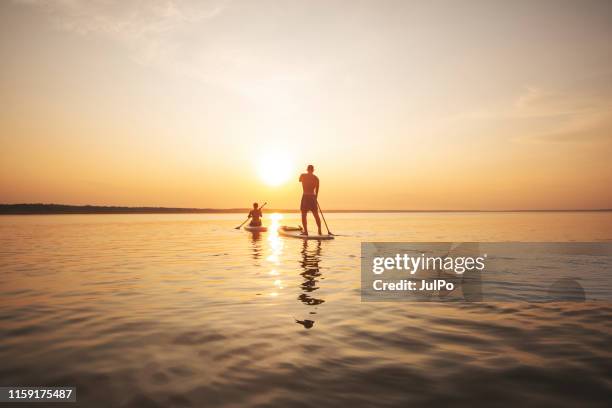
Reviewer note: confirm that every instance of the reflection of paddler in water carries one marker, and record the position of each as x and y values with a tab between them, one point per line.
255	239
311	275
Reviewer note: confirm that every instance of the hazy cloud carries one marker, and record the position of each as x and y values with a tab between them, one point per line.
125	20
581	112
150	30
183	39
589	127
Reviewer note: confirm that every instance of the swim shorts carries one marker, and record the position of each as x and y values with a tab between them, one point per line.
309	203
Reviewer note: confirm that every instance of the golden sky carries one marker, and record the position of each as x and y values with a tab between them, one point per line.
398	104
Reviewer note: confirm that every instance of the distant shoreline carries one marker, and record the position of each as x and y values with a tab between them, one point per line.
42	209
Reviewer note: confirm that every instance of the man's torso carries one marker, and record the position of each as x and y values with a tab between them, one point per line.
309	183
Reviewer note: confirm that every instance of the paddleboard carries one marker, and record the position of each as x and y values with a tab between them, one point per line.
255	229
297	234
289	228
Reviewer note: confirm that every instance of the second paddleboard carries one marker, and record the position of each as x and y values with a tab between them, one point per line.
298	234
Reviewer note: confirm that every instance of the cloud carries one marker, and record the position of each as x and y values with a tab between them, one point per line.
146	28
126	20
538	102
588	128
578	112
149	30
199	40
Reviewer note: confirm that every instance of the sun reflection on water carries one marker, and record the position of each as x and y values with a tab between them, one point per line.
276	249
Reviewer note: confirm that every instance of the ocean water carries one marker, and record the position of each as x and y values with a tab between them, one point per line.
185	311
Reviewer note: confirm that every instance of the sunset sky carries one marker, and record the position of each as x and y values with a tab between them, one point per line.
398	104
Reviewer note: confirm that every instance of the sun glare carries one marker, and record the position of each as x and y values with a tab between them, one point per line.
275	217
274	170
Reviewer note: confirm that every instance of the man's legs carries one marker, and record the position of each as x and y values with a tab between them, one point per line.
318	220
305	221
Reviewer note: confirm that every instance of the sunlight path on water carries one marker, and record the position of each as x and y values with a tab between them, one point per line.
276	251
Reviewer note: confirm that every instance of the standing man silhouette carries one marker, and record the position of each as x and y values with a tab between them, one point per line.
310	186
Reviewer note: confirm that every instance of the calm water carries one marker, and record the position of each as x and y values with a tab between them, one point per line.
185	311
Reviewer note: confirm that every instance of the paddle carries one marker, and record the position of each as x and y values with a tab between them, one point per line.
238	227
328	231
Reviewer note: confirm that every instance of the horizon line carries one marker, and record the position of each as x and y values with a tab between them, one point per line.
53	208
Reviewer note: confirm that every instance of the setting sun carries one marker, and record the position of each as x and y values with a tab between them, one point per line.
274	169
